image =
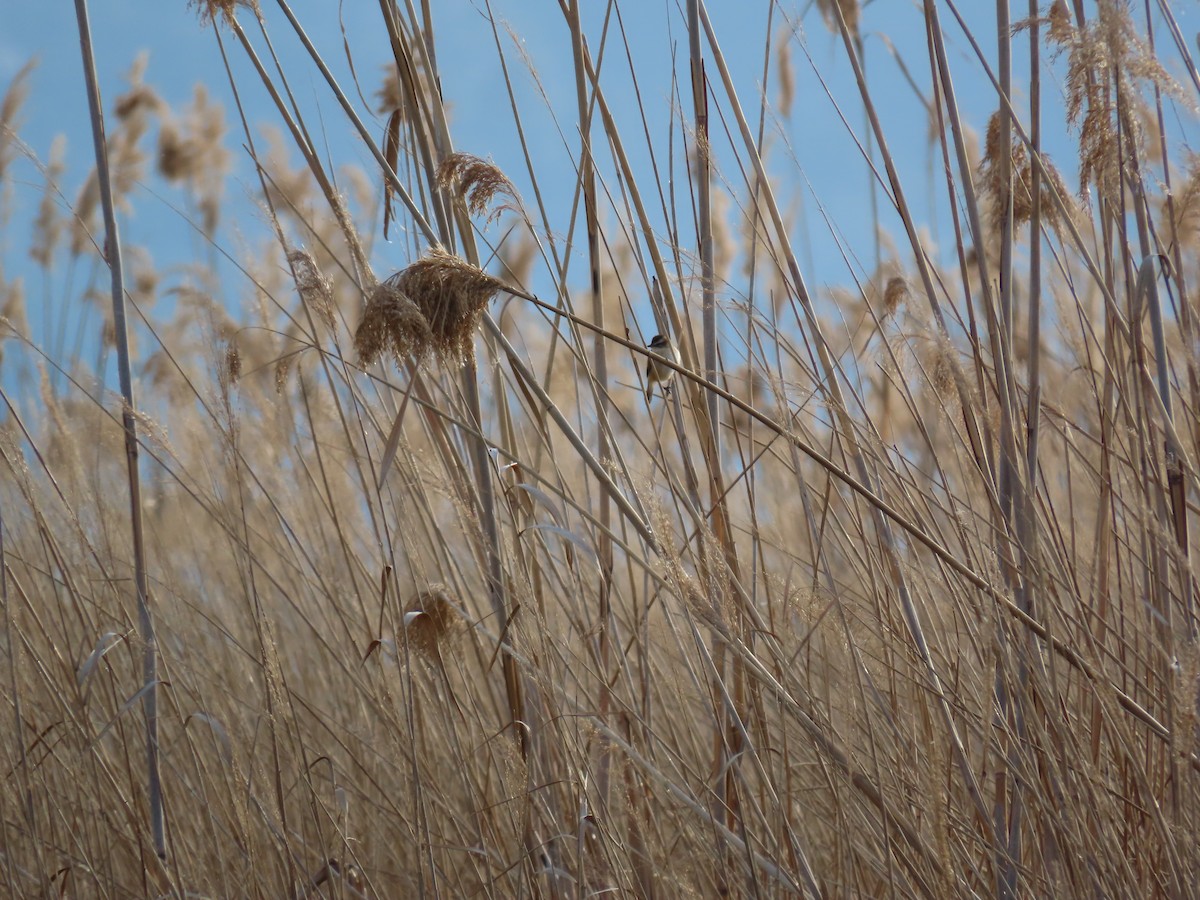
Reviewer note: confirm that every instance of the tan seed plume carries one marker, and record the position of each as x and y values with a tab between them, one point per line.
211	10
313	286
1022	180
433	305
477	182
895	295
429	619
850	13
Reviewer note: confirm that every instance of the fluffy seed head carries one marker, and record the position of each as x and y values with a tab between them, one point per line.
390	96
991	175
477	182
943	369
233	363
429	619
391	324
787	77
895	295
211	10
282	368
314	288
434	304
10	108
850	13
1061	28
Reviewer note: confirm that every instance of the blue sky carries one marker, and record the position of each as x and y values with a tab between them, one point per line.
818	166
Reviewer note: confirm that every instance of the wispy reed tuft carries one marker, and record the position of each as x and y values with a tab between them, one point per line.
313	286
10	108
429	620
850	13
233	364
1022	180
191	151
786	74
390	96
896	294
1107	62
433	305
477	182
391	324
226	10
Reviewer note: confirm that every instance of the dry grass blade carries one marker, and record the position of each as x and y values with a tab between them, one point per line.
104	643
120	331
391	153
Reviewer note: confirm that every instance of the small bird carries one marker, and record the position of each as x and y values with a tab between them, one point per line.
656	371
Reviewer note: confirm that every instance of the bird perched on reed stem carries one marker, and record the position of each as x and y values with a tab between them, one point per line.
656	371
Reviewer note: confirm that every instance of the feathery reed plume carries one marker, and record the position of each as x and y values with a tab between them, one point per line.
850	13
390	324
144	277
944	373
1186	224
48	226
1105	61
10	108
1022	180
787	75
84	221
392	102
429	620
477	182
126	158
232	369
177	156
517	258
389	97
434	304
1060	28
313	286
724	246
192	152
896	294
210	10
141	100
282	368
12	310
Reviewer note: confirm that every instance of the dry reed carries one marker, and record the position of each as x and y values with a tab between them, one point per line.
434	305
895	599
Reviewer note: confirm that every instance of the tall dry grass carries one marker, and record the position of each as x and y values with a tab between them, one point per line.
892	596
